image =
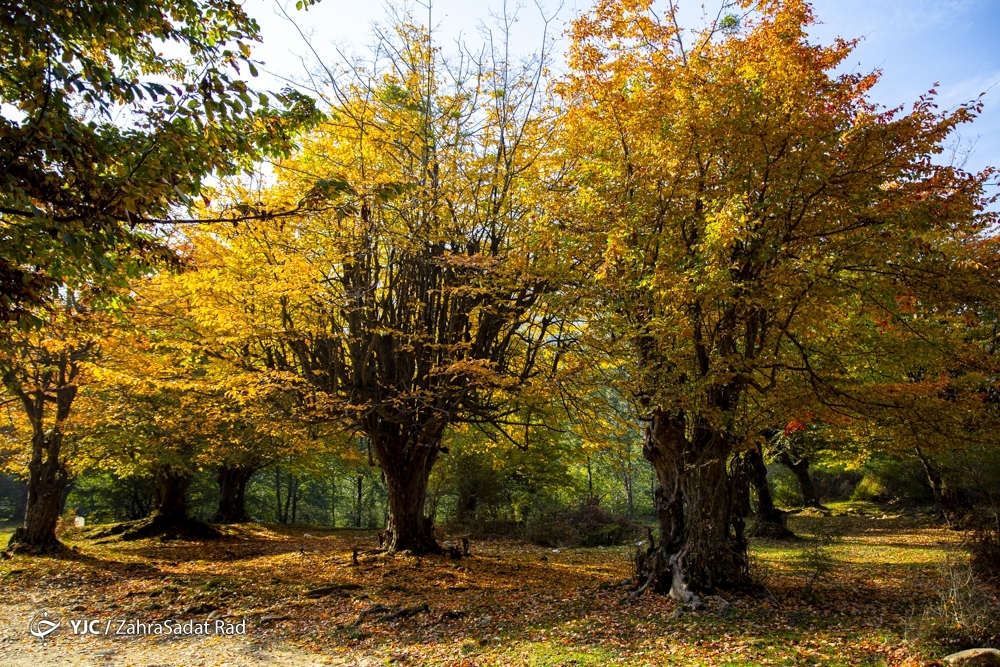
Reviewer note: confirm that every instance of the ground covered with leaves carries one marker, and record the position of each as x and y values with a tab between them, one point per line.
854	591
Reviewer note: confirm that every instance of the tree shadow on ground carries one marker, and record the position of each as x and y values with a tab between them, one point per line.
507	599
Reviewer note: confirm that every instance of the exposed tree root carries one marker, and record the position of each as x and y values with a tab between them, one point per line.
772	530
158	526
15	546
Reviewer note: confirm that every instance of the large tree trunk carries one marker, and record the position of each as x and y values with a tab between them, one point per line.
407	471
47	478
169	498
770	522
233	482
170	517
465	507
698	503
953	505
800	468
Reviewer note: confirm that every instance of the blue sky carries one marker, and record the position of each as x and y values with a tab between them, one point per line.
914	42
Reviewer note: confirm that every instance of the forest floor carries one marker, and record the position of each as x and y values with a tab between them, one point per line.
873	572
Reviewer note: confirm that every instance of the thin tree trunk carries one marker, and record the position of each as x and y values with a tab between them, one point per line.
294	495
770	521
333	502
800	468
590	478
702	545
233	482
138	507
627	482
289	493
357	503
277	493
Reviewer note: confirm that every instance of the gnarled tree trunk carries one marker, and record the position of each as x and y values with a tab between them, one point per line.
770	522
233	482
952	503
47	478
699	503
407	469
169	497
800	468
170	516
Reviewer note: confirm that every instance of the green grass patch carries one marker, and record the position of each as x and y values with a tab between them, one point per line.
550	654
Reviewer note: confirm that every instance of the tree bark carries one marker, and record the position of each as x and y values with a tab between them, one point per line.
702	546
770	522
170	516
47	473
47	478
800	468
169	501
233	482
952	504
406	479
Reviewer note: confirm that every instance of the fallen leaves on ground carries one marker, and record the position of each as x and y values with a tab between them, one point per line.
510	603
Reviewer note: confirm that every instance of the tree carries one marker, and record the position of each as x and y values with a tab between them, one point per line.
762	229
795	446
172	408
102	135
42	372
419	300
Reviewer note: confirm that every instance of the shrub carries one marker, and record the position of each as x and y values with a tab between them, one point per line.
870	488
889	478
588	525
784	487
835	484
984	547
967	613
817	561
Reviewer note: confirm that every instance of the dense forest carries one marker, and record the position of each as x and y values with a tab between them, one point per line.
683	307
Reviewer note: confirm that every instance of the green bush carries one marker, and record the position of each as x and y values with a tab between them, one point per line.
870	488
893	479
784	487
835	482
588	525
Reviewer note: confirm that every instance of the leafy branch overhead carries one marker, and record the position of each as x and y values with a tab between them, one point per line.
104	136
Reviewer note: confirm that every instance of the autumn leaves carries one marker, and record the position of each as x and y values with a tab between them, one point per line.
718	228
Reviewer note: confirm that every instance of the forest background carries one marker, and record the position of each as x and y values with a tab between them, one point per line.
672	287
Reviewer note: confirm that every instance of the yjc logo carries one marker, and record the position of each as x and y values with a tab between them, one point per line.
42	625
